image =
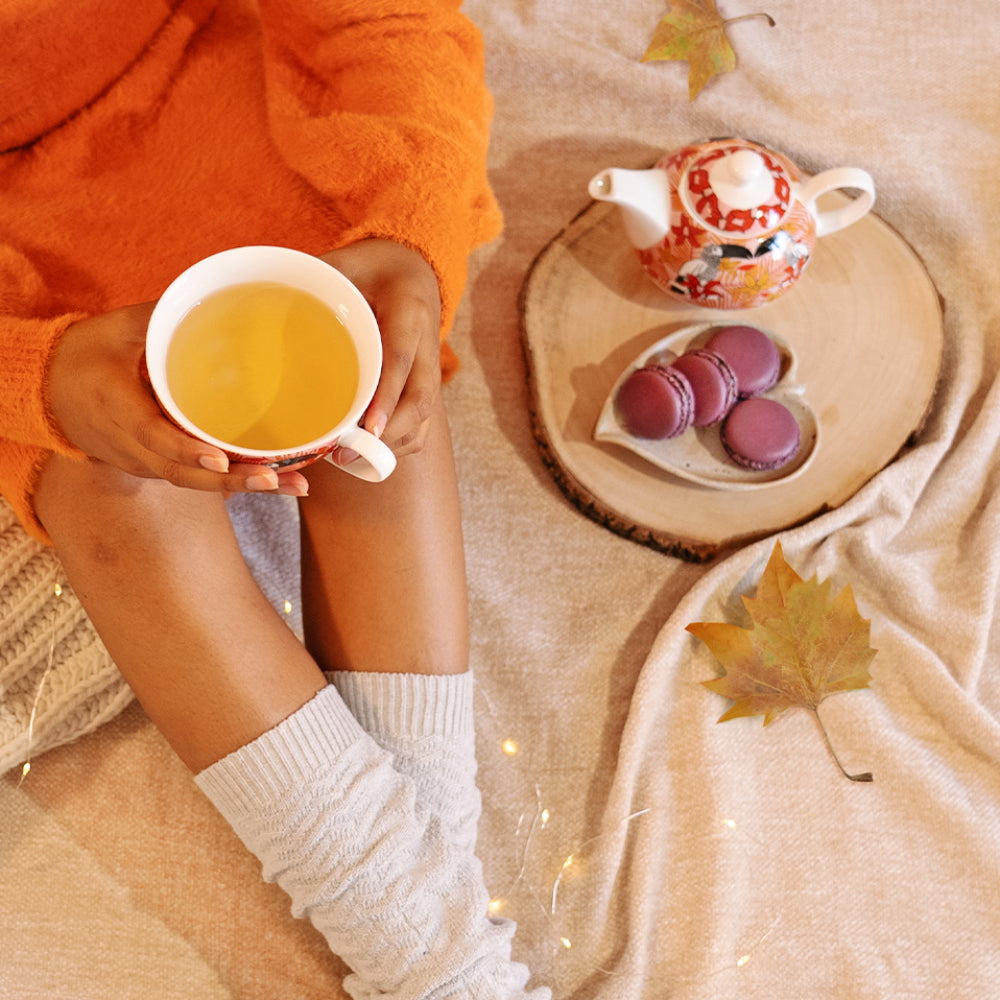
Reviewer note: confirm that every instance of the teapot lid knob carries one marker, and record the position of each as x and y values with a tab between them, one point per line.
741	179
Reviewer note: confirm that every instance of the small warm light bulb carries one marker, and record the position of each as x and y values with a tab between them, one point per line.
731	823
545	816
288	607
510	747
26	769
742	960
495	905
566	943
58	589
569	860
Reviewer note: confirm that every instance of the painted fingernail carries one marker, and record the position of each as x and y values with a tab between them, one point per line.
214	463
378	428
262	481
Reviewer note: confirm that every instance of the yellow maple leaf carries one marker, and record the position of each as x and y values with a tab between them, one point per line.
803	647
694	32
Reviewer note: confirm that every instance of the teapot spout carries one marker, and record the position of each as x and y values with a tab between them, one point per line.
643	197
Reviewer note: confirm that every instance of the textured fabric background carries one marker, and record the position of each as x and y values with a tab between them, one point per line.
644	850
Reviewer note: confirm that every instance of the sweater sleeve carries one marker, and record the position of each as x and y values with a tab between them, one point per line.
31	323
383	108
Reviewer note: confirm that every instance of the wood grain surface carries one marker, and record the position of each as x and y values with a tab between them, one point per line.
864	321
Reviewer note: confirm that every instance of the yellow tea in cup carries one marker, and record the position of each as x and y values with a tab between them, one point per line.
262	366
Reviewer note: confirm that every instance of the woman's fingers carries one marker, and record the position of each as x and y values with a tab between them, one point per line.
406	429
402	289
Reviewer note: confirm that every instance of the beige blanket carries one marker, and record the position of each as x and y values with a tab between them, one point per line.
644	850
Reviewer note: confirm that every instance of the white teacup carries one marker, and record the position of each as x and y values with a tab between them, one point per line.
285	272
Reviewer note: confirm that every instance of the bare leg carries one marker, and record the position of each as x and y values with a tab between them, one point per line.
384	585
160	573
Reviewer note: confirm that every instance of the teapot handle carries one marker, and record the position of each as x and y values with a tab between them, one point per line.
830	180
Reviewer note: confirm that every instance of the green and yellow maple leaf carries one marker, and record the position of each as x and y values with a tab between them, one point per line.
694	32
803	647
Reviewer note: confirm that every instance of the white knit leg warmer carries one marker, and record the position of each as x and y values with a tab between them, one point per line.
426	723
335	825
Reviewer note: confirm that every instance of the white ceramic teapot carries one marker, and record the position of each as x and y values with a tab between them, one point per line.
728	223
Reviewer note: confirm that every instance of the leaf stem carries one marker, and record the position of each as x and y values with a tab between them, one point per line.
745	17
865	776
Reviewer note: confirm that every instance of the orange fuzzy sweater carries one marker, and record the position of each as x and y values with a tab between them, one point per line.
137	136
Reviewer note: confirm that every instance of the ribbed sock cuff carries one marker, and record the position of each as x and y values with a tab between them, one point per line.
408	706
286	756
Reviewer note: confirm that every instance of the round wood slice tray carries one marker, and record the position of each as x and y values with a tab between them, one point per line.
864	321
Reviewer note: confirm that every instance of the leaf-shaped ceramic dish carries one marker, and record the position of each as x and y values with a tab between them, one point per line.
697	455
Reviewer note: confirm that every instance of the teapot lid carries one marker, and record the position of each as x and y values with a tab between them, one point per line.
737	188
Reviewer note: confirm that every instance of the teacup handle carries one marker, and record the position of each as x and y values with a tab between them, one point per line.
830	180
376	460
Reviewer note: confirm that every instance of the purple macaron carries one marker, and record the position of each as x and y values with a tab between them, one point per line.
713	383
656	402
760	434
751	354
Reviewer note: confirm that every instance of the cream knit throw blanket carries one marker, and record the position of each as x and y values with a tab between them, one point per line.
57	680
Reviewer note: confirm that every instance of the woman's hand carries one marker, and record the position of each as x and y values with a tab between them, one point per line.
402	289
106	407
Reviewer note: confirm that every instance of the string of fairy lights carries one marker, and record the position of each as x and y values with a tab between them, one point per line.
57	590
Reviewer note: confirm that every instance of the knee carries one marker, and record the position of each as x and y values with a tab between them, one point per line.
108	515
